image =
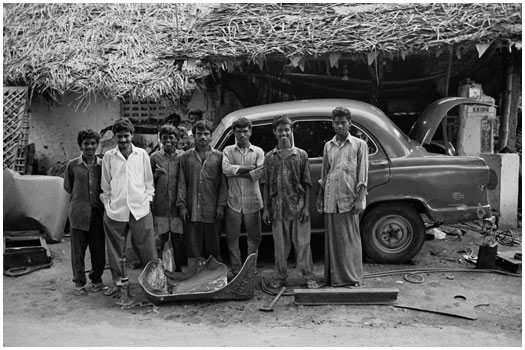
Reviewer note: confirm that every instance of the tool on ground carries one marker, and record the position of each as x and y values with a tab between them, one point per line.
269	308
126	299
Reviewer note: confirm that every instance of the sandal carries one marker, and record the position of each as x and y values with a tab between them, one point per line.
81	290
111	291
311	284
276	283
97	287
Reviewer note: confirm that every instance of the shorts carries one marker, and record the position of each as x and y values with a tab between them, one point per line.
163	224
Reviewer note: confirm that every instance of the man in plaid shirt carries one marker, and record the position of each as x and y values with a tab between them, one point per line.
242	165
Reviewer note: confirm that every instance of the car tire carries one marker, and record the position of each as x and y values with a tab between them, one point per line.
392	233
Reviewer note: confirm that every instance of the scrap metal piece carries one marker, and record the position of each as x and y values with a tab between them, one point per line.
240	288
209	277
451	303
345	296
23	255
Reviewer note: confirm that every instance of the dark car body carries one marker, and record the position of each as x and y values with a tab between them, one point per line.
405	180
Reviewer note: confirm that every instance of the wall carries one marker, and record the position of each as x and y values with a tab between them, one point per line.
504	197
53	128
214	102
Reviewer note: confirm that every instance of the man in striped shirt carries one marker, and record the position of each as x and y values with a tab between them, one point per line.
342	197
242	165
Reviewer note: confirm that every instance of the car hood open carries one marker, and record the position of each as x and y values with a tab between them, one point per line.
426	125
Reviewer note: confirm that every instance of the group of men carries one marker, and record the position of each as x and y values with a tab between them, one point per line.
184	196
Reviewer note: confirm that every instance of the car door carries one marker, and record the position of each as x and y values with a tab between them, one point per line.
378	162
310	134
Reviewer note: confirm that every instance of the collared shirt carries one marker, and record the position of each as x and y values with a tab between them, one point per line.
83	183
202	186
127	184
244	195
345	171
164	201
286	179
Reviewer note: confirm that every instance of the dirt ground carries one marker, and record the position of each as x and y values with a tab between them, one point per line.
41	309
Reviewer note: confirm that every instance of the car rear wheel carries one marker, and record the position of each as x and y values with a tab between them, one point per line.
392	233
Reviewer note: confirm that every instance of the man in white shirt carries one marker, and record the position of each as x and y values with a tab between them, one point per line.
127	190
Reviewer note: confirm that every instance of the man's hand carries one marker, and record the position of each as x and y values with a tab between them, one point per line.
266	217
183	213
319	204
305	213
159	170
358	208
244	171
219	215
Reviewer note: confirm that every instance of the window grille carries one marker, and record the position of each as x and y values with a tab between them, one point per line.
16	128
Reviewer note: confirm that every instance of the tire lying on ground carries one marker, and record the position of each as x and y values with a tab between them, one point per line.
392	233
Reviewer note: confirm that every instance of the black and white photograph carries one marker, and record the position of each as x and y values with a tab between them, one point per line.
262	174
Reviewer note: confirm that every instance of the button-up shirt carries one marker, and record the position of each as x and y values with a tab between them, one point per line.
286	179
244	195
202	186
127	184
345	171
83	183
164	201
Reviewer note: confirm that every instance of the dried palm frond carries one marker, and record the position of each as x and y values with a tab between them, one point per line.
131	50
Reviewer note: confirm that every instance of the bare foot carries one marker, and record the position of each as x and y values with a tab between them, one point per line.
354	285
312	284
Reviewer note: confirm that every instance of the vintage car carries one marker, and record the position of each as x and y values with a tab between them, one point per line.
407	184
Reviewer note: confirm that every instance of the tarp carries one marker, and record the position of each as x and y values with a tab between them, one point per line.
35	202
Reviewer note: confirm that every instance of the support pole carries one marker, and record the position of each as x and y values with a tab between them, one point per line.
505	116
444	122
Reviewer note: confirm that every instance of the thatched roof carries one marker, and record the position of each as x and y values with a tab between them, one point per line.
258	30
129	49
108	49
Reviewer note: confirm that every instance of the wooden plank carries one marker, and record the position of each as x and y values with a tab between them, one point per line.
345	296
24	233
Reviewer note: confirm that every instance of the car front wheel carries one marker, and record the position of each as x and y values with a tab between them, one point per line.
392	233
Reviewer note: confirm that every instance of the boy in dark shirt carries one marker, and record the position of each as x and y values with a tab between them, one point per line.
165	167
82	181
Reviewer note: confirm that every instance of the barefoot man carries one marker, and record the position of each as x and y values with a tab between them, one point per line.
342	197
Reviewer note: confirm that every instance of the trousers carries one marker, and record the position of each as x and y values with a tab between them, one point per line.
286	233
202	240
142	238
233	222
94	239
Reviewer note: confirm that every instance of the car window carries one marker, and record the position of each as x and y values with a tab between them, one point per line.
311	135
262	136
357	132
